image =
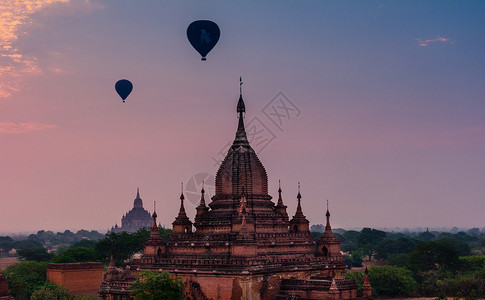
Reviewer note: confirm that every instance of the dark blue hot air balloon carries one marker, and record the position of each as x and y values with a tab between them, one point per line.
123	88
203	36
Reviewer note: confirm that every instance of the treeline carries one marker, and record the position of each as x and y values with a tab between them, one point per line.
27	278
48	239
428	264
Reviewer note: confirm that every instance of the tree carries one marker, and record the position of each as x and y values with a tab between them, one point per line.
391	281
388	247
157	285
25	277
358	278
27	243
317	228
124	245
84	243
35	254
426	236
51	291
434	255
72	255
368	239
6	244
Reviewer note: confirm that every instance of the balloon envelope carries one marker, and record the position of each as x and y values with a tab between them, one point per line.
123	88
203	36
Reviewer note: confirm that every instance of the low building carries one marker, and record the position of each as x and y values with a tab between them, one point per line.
80	278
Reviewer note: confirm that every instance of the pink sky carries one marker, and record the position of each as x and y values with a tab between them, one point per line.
390	131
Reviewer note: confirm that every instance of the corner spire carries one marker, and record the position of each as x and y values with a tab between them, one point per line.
299	212
154	234
202	192
280	199
182	208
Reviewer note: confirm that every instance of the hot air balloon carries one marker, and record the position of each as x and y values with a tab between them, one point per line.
123	88
203	36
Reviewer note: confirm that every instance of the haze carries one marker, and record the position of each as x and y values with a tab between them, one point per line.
388	121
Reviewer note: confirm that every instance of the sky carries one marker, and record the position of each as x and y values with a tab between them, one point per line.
376	106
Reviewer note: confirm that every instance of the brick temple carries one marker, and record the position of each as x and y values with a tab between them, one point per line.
242	245
138	217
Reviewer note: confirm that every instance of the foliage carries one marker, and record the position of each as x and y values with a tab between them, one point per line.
426	236
34	254
6	244
472	263
84	243
348	240
317	228
27	244
358	277
391	281
25	277
388	247
316	235
49	238
124	245
400	259
368	239
86	297
51	291
73	255
434	255
460	246
157	285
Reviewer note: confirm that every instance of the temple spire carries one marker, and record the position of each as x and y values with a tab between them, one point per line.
154	234
137	192
280	199
202	192
299	212
328	218
241	137
182	222
182	208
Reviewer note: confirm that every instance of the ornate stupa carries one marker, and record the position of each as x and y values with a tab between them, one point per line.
242	245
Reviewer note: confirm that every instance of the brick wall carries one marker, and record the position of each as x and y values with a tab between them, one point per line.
79	278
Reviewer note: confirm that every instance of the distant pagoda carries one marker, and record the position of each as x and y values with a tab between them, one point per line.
136	218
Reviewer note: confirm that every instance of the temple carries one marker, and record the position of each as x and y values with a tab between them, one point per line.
136	218
242	245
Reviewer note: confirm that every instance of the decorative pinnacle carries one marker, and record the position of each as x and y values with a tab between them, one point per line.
299	195
202	200
280	200
137	192
240	85
182	191
328	212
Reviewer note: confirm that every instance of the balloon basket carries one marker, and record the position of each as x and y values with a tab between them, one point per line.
203	59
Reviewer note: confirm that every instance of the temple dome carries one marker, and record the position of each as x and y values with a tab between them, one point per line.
241	168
